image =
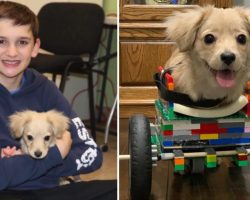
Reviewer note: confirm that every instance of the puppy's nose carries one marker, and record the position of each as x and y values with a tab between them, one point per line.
38	153
227	57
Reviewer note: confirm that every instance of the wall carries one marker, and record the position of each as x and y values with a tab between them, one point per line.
78	83
242	2
110	7
36	5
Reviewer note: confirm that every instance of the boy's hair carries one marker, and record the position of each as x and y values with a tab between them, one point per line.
20	14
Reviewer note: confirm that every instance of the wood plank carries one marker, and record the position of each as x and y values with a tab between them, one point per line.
217	3
138	93
145	25
142	34
137	100
134	102
140	60
126	111
161	11
150	12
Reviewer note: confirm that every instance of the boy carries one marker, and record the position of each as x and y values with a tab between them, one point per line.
25	89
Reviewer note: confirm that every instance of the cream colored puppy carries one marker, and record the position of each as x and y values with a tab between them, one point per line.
38	131
212	58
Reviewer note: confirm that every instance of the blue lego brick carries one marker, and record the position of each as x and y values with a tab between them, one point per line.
174	1
168	143
171	104
221	141
225	141
244	140
236	130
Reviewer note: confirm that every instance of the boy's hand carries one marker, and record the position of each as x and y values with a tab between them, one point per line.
10	151
64	144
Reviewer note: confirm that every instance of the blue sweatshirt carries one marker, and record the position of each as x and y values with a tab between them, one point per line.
22	172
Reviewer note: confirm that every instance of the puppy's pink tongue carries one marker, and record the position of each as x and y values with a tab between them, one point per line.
225	78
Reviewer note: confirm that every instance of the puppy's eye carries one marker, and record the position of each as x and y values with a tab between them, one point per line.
242	39
30	137
47	138
209	39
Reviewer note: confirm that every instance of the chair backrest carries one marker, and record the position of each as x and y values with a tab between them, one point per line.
71	28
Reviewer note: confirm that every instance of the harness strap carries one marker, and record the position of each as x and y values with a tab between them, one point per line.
181	98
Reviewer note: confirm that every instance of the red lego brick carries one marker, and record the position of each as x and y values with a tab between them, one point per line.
242	157
247	109
169	78
169	132
160	69
209	128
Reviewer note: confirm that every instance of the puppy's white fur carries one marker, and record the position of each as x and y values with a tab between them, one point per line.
37	131
198	67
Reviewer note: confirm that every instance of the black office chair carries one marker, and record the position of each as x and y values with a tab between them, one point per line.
70	31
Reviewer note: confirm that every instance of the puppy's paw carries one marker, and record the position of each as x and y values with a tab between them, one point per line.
69	179
194	96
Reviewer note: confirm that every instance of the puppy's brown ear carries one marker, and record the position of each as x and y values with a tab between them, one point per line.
59	122
183	26
17	123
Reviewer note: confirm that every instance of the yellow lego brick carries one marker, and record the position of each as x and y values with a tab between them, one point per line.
211	158
209	136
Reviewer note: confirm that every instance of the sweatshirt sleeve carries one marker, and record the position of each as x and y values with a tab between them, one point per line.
13	173
85	156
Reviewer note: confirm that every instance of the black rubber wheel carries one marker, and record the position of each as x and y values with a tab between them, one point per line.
140	164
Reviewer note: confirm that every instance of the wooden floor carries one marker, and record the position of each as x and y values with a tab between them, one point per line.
226	182
108	169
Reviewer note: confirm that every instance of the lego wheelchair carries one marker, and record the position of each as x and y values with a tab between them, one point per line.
191	134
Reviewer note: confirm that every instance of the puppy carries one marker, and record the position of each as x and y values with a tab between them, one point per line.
37	131
212	58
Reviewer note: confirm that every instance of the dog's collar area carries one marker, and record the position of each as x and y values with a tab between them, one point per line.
181	98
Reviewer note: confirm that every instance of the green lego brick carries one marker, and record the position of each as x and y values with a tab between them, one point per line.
179	168
154	139
166	127
160	107
171	114
211	164
157	139
166	112
240	163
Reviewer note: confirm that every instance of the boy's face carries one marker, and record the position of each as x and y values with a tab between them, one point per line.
17	46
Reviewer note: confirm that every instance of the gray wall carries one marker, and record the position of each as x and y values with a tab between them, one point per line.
242	2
